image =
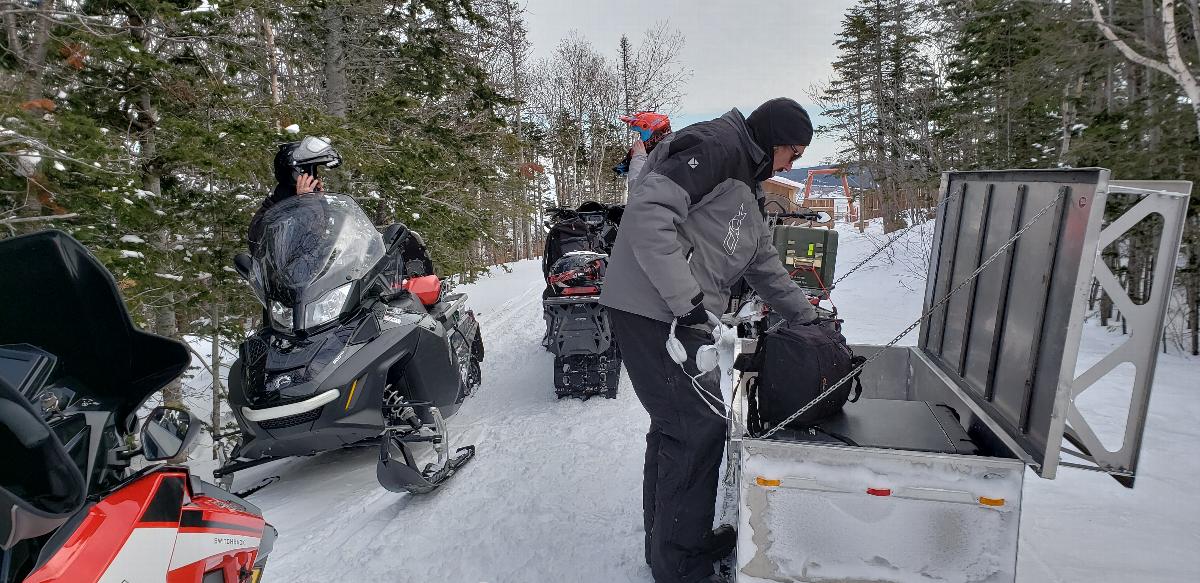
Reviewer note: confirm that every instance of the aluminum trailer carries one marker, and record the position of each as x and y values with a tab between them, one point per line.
1003	353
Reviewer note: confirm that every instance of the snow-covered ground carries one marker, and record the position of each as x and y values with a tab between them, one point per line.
554	493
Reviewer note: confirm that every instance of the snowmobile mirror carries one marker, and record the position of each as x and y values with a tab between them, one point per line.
40	486
167	432
395	233
242	263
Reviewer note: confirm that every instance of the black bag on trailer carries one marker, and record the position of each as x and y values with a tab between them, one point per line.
795	365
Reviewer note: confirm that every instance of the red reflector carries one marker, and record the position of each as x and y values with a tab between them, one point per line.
581	291
879	491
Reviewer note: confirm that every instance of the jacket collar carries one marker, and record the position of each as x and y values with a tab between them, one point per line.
758	158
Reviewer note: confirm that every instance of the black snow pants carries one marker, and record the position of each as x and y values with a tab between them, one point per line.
683	446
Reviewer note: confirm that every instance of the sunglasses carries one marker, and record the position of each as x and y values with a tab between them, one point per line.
795	153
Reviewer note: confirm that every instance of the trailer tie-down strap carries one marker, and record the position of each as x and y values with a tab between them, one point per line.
855	372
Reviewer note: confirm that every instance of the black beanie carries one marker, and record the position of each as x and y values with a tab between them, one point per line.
780	122
283	164
284	173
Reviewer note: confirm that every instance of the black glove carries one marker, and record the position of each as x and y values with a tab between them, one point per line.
697	315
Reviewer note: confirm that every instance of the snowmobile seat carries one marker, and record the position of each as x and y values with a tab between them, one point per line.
427	288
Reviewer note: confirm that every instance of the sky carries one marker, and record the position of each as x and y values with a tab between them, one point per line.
741	53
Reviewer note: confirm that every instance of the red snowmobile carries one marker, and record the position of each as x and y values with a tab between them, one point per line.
73	374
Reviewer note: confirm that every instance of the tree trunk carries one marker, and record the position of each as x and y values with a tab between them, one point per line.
15	45
335	60
215	365
1193	298
1192	286
625	74
268	34
1071	94
37	50
166	325
1153	134
1193	7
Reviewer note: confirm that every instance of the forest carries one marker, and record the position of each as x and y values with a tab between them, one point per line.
923	87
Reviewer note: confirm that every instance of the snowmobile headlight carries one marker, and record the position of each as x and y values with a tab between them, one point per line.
328	307
281	315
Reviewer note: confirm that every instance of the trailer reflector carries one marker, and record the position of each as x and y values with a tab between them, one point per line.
879	491
991	501
761	481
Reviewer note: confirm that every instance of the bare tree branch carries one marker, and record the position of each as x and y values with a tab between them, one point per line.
16	220
1175	67
1126	50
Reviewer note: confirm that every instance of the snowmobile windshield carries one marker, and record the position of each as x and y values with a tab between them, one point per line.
314	248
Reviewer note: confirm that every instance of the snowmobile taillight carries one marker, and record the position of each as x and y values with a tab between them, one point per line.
581	291
879	491
991	501
767	482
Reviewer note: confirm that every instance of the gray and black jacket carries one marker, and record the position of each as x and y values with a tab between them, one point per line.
694	226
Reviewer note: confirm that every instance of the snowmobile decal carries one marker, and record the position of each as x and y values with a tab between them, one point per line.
128	536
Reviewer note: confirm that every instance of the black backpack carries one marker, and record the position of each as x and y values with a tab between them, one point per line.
795	365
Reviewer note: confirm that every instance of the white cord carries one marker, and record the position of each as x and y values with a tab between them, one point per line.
707	397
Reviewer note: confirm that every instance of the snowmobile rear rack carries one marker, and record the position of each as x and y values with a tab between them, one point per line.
567	300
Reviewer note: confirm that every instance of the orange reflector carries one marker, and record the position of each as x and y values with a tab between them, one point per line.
879	491
761	481
991	501
350	399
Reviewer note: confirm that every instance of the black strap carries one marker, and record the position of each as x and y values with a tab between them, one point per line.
856	362
753	419
754	416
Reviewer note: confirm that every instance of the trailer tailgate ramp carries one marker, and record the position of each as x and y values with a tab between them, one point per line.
1009	341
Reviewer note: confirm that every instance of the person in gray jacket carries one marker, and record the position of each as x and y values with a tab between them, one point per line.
692	228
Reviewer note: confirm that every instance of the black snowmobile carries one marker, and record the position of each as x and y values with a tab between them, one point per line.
360	345
587	361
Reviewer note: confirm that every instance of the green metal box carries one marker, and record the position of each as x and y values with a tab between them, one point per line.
809	254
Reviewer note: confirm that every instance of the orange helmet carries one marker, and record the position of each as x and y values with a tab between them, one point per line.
648	124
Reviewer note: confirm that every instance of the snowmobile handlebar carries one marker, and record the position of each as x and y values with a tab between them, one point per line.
804	213
808	216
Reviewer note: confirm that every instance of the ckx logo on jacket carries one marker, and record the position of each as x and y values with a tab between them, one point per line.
735	230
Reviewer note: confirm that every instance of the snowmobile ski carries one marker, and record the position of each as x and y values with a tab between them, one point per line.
256	487
397	475
397	468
